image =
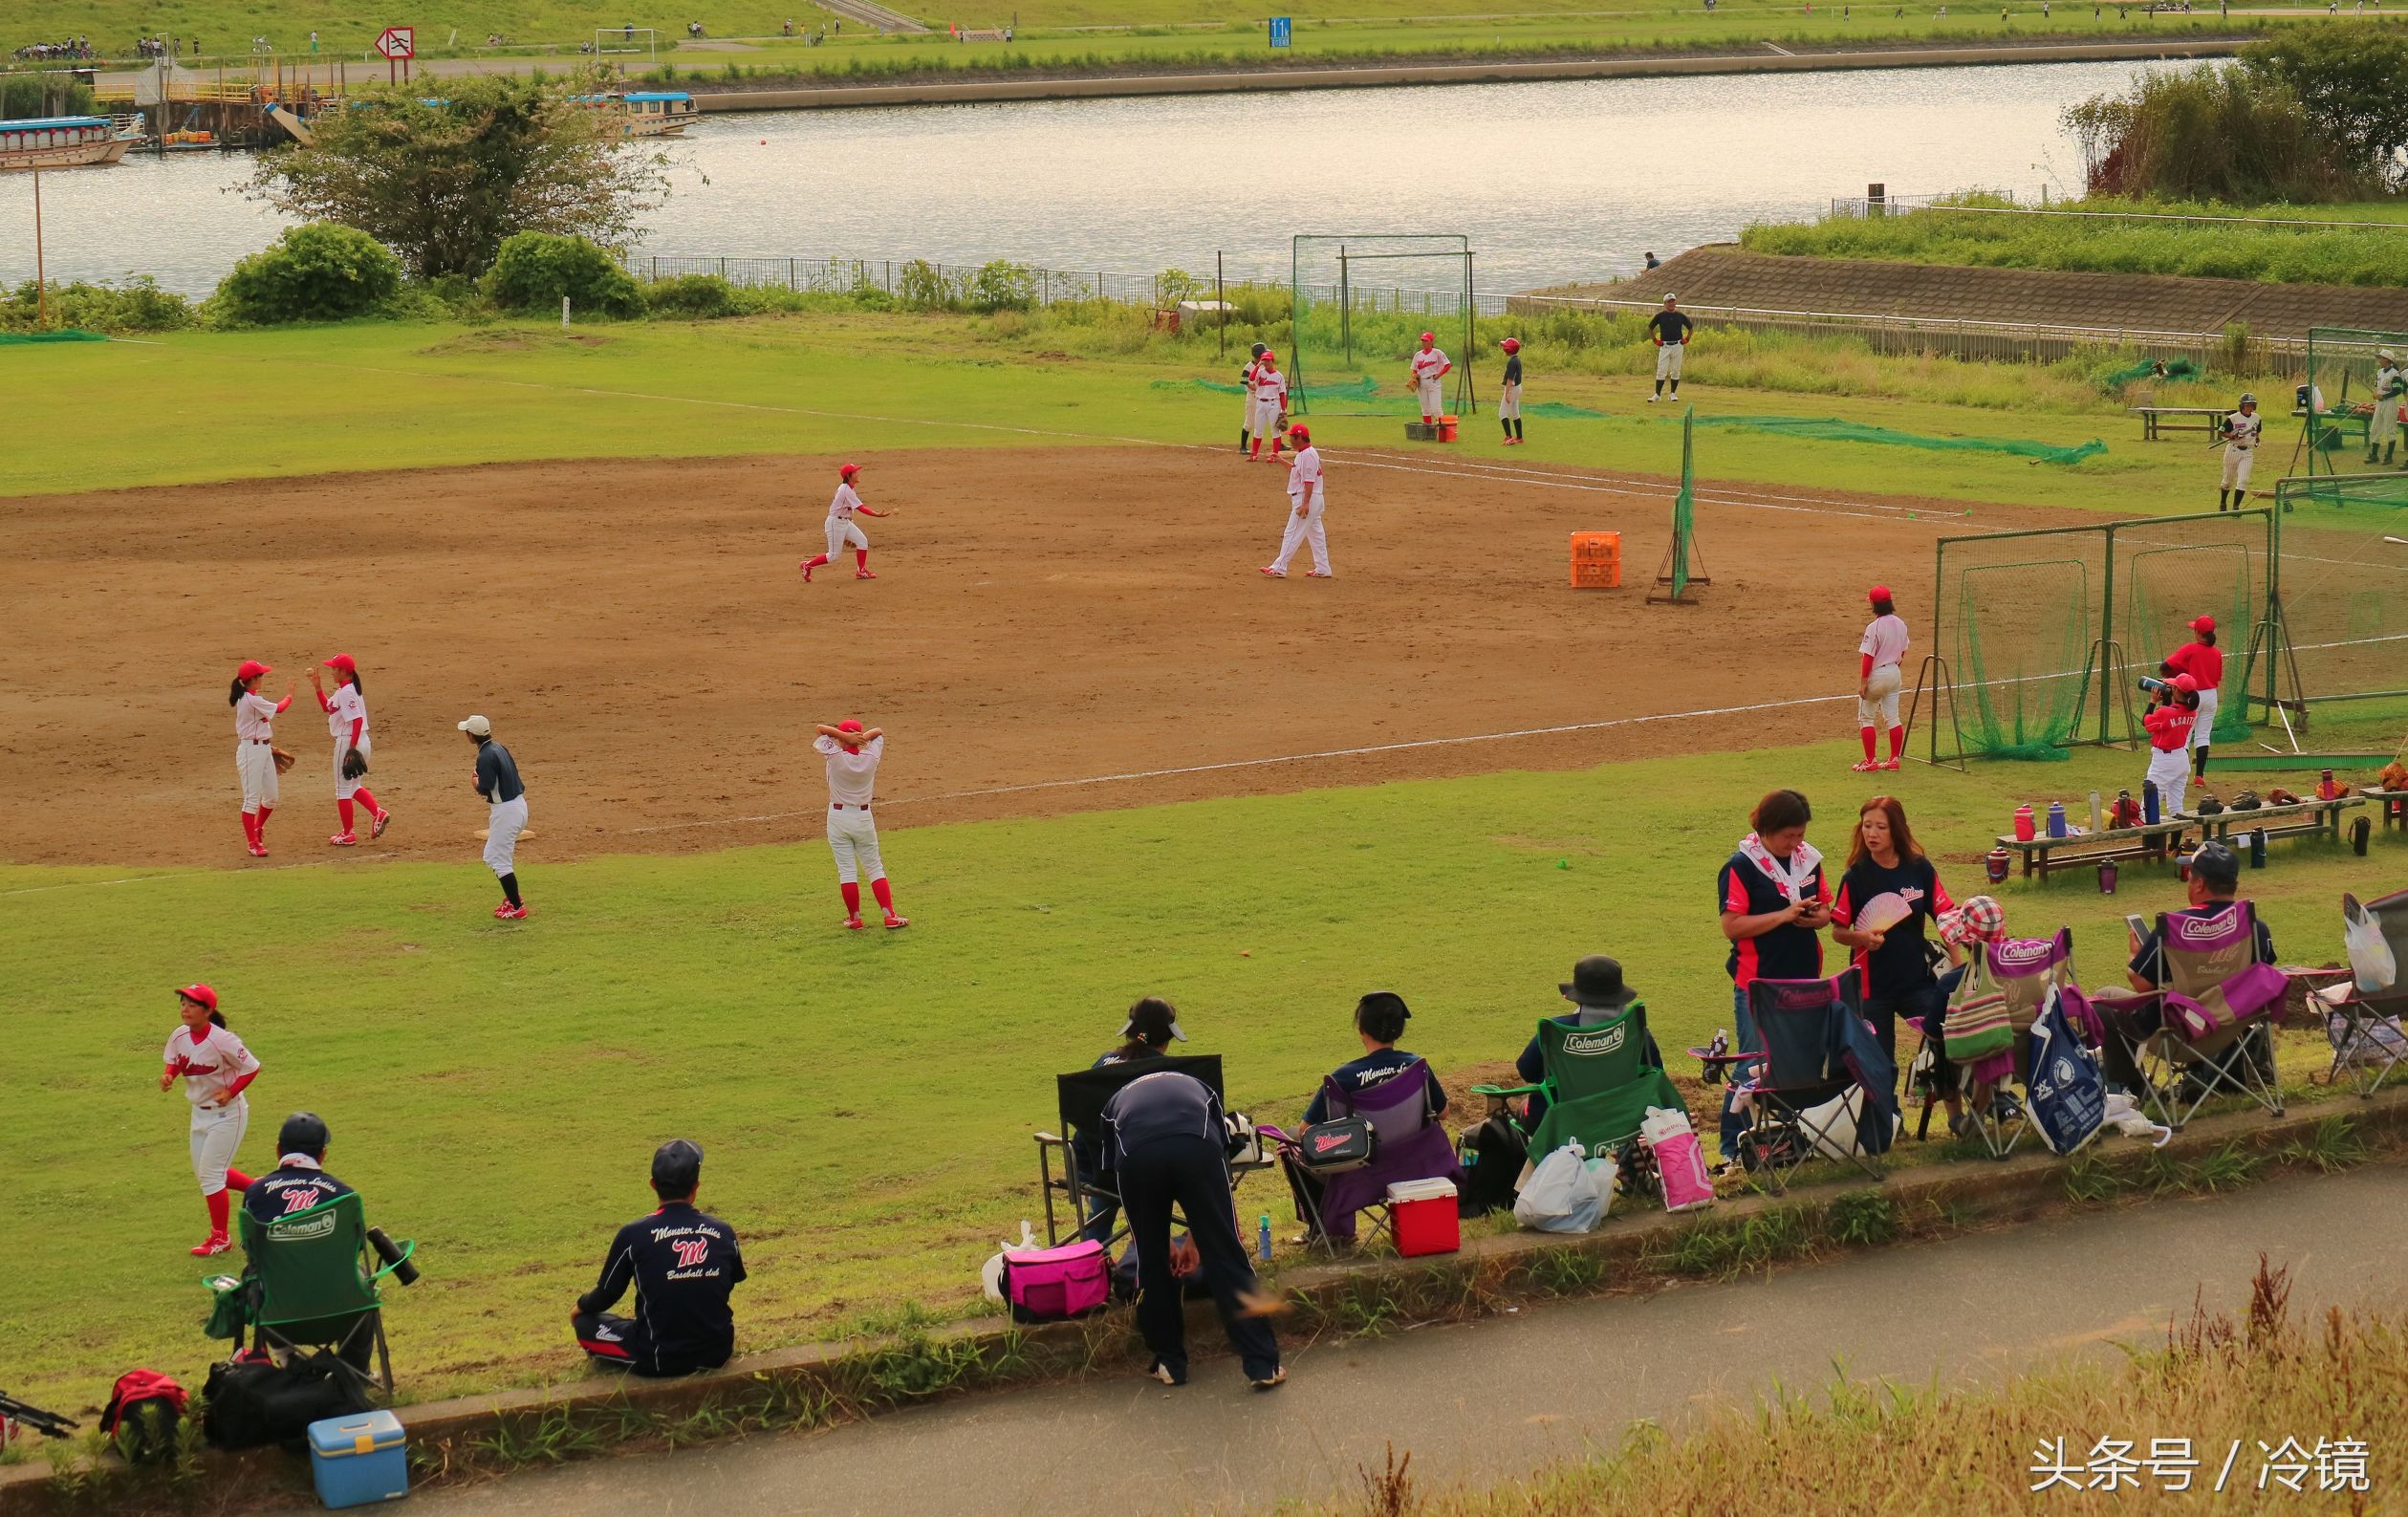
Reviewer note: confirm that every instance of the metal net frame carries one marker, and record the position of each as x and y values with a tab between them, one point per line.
2336	406
1359	304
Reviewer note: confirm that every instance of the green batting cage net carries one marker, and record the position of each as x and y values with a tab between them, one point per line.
1362	303
2349	410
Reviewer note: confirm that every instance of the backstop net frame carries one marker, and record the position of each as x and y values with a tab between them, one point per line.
2337	405
1358	305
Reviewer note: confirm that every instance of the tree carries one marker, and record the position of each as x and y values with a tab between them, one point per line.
442	182
2348	76
2209	133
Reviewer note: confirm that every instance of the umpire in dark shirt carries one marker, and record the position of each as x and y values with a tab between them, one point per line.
684	1263
1165	1137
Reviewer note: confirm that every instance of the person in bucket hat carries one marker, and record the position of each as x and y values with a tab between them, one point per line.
1598	992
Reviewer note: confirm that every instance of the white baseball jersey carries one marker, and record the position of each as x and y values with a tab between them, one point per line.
211	1064
1305	471
254	716
2240	429
1271	386
344	706
846	502
1427	366
1885	639
851	776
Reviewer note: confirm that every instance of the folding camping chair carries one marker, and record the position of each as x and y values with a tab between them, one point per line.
312	1283
1079	1099
2193	1039
2365	1025
1408	1142
1600	1077
1805	1098
2017	974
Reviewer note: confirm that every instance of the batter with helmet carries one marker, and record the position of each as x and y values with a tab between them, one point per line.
1271	404
853	752
1305	497
256	757
2240	434
1429	367
1510	392
841	533
347	721
1246	382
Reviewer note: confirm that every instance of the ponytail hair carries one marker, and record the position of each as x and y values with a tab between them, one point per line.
1884	607
234	694
2208	636
217	1019
358	685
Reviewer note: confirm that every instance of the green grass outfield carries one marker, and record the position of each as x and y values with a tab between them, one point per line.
866	1099
371	396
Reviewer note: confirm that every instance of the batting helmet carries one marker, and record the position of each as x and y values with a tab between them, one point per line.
1301	432
1511	344
1260	350
2248	400
1429	337
848	470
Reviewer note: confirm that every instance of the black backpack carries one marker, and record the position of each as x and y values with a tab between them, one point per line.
1492	1156
254	1402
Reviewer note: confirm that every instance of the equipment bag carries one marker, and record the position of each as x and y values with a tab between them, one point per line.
2065	1091
142	1416
1977	1026
1054	1285
1342	1142
1492	1156
255	1401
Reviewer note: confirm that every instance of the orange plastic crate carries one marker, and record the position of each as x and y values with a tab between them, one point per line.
1597	560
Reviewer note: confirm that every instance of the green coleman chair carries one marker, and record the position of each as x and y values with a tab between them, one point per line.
1598	1084
312	1283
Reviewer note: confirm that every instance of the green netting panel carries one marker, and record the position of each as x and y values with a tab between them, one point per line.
2344	591
1831	429
1359	305
2344	365
62	335
2165	588
1684	505
2385	488
1362	398
2023	643
2174	369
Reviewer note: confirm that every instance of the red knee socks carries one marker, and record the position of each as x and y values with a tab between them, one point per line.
860	558
220	1207
264	811
250	828
885	897
237	1180
342	807
852	898
360	794
1866	733
1897	742
820	562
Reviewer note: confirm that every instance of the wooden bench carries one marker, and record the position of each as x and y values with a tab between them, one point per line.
2155	420
2391	804
2155	841
2295	819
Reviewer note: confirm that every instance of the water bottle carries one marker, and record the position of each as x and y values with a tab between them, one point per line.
1262	1239
391	1253
2149	802
2099	815
2024	831
2056	818
1715	1049
2257	848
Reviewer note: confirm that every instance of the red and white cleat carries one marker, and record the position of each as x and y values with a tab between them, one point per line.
258	849
854	925
1864	767
384	819
807	573
1889	764
1318	573
894	922
1275	573
505	912
863	574
344	840
210	1248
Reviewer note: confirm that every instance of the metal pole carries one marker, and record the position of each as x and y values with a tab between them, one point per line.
1221	299
41	276
1345	314
2107	639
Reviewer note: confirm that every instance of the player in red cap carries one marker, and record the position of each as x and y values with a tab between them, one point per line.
1306	496
1429	367
216	1069
255	748
2204	663
1878	679
840	529
347	722
1271	404
853	752
2173	710
1510	392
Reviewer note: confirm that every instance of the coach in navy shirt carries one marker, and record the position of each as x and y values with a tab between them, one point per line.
684	1263
1774	902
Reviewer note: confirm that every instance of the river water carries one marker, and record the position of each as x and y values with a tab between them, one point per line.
1553	181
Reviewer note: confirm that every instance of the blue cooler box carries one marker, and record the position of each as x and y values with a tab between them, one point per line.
358	1460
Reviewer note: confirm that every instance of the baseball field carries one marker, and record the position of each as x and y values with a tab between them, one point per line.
1121	762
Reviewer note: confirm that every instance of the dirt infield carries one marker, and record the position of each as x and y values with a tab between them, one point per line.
640	635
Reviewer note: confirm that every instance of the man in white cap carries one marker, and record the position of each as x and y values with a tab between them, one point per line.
2391	388
1670	328
497	781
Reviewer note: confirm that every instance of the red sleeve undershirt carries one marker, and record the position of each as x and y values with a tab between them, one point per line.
357	725
283	704
1866	673
237	1087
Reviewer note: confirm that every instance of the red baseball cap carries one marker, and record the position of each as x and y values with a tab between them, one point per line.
849	724
197	991
2186	684
1270	357
1301	430
2204	624
252	670
1429	337
849	470
1877	593
343	661
1511	344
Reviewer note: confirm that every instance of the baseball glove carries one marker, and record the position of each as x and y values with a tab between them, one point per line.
284	760
354	764
1283	421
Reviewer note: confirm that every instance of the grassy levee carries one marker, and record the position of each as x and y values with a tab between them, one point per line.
866	1099
373	396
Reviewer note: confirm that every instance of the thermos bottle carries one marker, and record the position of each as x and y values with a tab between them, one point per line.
2149	802
2024	831
2056	818
2257	848
1262	1239
2099	815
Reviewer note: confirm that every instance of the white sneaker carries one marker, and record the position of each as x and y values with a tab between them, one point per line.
1653	398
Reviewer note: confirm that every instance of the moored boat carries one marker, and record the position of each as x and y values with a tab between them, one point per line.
646	113
64	142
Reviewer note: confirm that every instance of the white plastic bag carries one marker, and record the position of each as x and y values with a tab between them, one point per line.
2372	962
2124	1114
1834	1122
991	1273
1566	1192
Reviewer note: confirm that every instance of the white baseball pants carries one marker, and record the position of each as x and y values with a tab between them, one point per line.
1668	360
257	764
1509	403
843	533
1303	530
216	1135
1883	687
1433	397
2236	463
1265	420
2383	427
853	838
2202	730
344	787
2170	771
501	837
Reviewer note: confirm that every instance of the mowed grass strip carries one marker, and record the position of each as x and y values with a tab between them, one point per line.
866	1099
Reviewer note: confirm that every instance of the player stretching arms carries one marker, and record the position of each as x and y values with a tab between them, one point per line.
1271	404
852	756
1429	367
840	529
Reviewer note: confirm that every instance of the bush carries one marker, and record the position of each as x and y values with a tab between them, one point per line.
24	97
698	297
138	305
922	286
1001	286
315	273
534	270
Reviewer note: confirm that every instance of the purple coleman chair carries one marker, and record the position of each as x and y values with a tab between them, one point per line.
1408	1143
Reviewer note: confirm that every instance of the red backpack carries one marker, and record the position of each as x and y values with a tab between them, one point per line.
142	1416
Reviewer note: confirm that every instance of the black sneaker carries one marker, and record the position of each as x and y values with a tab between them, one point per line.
1271	1382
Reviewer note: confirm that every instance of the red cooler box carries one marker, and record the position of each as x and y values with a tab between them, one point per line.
1423	1213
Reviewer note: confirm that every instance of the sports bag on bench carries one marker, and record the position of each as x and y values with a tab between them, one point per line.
1342	1142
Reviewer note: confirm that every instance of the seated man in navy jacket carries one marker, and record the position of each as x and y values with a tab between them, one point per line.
684	1263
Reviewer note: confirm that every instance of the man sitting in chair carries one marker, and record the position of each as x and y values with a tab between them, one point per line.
2214	883
1598	990
299	1182
684	1263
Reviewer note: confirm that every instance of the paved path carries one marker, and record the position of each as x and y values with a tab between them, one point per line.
1487	1400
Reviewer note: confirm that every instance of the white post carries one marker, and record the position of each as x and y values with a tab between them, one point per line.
564	313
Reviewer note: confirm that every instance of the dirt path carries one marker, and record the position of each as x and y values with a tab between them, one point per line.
639	636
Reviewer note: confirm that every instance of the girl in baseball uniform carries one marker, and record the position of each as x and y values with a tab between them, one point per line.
1245	410
256	749
347	722
2240	432
2171	713
1878	677
1430	366
1271	403
1509	392
853	755
841	533
2204	663
215	1069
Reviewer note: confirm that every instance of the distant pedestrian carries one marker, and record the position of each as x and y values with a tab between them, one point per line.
1653	262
